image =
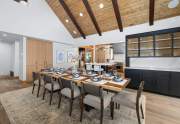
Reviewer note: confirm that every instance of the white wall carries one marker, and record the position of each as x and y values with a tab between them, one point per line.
34	20
5	55
116	36
65	49
22	59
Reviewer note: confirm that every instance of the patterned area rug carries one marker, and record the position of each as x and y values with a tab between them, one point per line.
22	107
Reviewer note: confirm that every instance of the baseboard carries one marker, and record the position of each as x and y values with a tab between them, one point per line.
8	77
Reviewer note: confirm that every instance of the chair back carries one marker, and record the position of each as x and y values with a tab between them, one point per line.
35	76
89	67
139	92
47	79
91	89
97	68
64	83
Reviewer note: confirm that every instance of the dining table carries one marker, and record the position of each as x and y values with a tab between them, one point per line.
107	83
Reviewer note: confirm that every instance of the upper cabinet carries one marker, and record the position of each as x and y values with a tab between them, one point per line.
163	43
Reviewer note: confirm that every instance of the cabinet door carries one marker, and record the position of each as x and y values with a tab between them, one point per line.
148	76
174	84
49	54
162	80
29	70
135	76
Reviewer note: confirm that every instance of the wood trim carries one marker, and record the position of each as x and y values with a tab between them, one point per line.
68	11
151	12
91	14
117	14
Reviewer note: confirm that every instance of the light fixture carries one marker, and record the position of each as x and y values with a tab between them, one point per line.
173	4
74	32
4	35
81	14
67	20
101	5
24	2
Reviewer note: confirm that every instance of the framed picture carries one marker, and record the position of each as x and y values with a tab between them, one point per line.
70	56
60	57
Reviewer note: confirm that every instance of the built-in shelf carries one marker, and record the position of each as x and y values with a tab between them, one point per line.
163	48
163	43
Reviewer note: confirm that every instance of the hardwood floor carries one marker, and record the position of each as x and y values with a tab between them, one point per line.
159	109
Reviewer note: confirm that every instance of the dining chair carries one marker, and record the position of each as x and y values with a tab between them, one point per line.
69	90
94	96
130	100
37	81
98	68
50	85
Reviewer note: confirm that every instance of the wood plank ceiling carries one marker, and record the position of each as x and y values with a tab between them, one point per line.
98	20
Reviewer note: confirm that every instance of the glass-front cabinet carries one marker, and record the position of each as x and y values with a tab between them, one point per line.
163	43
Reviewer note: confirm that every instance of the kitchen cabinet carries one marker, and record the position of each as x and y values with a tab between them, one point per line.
39	56
156	81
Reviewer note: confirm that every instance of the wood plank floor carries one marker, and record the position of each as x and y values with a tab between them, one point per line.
159	109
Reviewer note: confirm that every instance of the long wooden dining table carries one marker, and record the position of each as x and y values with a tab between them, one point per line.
106	83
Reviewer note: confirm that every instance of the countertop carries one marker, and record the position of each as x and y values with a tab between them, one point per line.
155	68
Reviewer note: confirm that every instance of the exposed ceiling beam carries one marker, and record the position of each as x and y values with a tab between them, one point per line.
118	15
66	8
151	11
91	14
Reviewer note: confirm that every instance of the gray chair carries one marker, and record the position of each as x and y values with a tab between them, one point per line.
69	90
130	100
50	85
94	96
37	81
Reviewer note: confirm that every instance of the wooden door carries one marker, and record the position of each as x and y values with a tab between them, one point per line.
49	54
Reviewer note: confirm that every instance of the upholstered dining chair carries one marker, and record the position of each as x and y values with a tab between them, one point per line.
94	96
131	100
37	81
69	90
50	85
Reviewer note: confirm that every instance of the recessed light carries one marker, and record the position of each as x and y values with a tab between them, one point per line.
101	5
4	35
81	14
67	20
74	32
173	4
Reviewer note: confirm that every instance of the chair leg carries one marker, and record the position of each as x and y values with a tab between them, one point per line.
138	115
38	90
112	109
33	88
71	105
142	112
101	118
102	111
59	99
44	93
51	97
82	109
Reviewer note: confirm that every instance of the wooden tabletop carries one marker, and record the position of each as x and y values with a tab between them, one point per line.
106	83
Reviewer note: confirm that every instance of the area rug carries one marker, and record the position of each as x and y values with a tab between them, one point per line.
23	107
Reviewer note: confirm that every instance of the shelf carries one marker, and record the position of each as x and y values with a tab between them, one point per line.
146	49
146	41
132	49
133	43
162	48
163	39
177	38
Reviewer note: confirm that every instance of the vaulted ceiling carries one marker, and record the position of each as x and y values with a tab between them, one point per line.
113	14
